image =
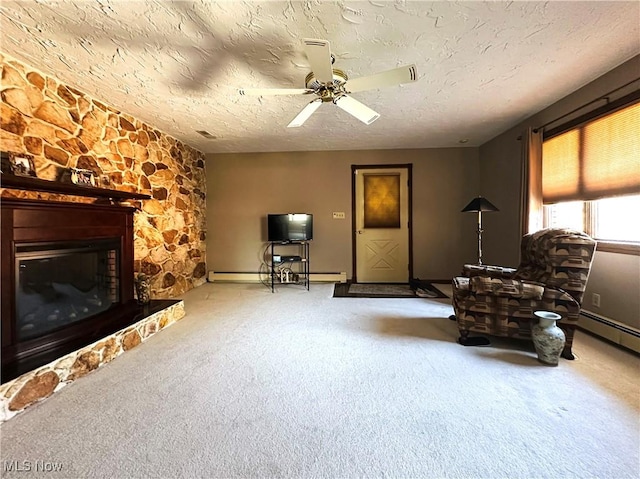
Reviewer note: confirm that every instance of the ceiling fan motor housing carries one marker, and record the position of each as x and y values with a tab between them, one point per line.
327	91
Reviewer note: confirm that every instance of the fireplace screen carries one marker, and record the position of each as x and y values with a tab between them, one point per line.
62	283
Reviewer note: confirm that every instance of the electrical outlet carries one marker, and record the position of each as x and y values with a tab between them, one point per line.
339	215
595	300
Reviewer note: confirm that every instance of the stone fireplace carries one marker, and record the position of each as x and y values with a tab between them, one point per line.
67	295
63	127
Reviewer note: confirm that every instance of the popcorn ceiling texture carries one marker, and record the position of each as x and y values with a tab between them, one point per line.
483	66
63	127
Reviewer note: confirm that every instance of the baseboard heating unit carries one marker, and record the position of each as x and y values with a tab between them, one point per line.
230	277
611	330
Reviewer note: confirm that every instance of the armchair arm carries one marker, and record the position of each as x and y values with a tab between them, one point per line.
506	287
561	302
470	270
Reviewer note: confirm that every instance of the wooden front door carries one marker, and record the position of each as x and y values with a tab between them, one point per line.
382	223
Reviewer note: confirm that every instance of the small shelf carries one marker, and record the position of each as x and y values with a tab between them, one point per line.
294	275
38	184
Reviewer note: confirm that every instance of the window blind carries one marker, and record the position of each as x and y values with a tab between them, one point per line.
598	159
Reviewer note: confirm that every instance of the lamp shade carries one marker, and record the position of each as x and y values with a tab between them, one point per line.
479	204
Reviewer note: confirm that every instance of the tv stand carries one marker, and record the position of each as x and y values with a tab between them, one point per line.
290	268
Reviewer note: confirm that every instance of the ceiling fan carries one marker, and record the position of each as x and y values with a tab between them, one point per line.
333	85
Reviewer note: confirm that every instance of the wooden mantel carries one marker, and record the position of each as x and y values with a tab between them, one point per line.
38	184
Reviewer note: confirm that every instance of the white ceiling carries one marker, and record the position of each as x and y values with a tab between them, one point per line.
482	66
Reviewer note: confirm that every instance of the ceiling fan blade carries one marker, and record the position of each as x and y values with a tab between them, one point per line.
319	56
306	112
274	91
397	76
357	109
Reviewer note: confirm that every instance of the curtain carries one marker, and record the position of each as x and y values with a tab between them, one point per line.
531	216
599	159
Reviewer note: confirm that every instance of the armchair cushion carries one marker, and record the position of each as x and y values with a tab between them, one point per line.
506	287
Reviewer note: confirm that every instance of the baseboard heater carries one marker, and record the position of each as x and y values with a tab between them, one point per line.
611	330
231	277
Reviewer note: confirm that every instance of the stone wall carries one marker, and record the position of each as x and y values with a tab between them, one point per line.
63	128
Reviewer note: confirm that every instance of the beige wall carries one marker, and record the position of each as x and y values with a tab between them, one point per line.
614	276
244	188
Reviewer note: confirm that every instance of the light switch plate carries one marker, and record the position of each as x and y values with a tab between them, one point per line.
339	215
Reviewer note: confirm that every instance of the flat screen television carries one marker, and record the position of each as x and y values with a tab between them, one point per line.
289	227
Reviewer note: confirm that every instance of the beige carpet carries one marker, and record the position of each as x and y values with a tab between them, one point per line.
300	384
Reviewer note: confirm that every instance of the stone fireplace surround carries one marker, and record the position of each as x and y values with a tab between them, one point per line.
62	127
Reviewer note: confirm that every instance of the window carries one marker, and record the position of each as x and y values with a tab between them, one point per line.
616	219
591	179
569	214
608	219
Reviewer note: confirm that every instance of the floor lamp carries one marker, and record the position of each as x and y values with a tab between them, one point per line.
479	205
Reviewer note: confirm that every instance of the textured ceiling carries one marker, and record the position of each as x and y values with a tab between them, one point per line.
482	66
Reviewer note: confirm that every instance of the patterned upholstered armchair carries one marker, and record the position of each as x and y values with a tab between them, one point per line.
552	276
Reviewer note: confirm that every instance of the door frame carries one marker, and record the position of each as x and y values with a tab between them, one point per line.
354	169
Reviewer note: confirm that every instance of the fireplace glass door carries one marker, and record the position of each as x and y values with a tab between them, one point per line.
59	284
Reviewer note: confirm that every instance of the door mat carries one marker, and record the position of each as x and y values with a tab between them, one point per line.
386	290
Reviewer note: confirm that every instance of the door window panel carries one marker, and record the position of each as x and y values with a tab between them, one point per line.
381	201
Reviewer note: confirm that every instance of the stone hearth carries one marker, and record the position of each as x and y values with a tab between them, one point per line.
39	384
